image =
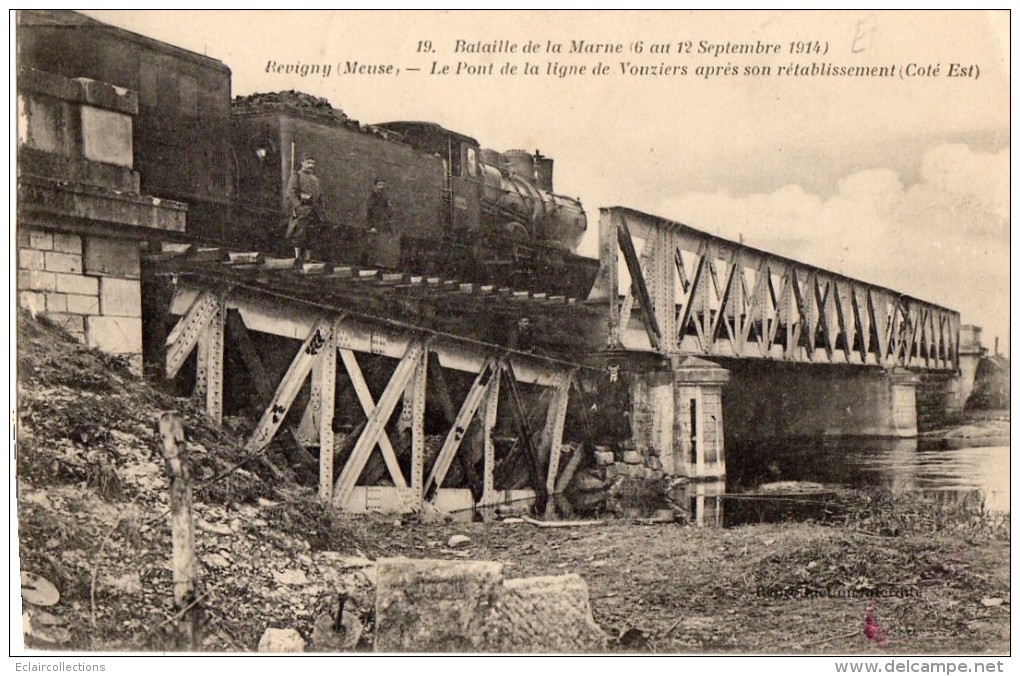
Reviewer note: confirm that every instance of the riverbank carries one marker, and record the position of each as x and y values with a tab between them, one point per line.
975	424
92	519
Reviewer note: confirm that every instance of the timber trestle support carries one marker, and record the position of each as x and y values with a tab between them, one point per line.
412	427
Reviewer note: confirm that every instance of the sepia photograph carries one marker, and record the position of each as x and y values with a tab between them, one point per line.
507	333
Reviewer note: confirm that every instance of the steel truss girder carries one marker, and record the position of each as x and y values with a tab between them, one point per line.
325	338
732	300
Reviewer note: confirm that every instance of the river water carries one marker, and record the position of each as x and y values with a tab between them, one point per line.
965	469
900	465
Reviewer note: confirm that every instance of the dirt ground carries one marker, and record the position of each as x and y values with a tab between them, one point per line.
891	576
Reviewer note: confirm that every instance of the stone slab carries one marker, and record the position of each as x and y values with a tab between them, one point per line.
80	284
116	335
82	305
40	239
548	615
120	297
67	242
62	262
118	258
36	281
32	259
433	606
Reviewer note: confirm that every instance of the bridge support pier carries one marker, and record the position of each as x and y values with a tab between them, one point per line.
677	418
698	448
903	404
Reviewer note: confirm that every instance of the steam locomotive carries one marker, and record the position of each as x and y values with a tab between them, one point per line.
459	210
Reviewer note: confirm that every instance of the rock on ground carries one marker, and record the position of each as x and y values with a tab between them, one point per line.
281	641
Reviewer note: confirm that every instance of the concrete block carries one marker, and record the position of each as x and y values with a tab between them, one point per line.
106	136
62	262
67	243
31	259
116	335
603	458
432	606
40	239
24	237
33	301
113	257
548	615
80	284
37	281
82	305
56	302
120	297
74	324
633	458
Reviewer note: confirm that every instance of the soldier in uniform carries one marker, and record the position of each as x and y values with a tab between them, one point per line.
304	202
378	219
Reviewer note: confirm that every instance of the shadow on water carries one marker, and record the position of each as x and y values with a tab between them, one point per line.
801	479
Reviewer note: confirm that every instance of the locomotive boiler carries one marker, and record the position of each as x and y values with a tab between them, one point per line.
458	210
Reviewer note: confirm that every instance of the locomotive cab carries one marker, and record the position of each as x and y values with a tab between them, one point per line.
461	183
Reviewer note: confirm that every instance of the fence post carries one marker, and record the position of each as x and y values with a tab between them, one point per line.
188	610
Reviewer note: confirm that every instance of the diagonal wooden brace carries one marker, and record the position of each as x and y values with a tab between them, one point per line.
559	408
452	442
368	405
185	334
376	422
319	337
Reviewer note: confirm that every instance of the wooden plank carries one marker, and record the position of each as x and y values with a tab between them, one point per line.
376	422
245	258
441	394
459	428
559	408
207	255
524	432
489	446
368	405
278	263
289	386
239	336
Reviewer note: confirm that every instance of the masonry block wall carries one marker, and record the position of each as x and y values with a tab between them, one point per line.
770	400
90	285
80	217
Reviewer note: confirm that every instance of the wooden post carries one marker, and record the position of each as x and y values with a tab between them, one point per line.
171	430
489	446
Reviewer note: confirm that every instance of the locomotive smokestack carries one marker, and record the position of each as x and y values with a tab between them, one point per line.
543	172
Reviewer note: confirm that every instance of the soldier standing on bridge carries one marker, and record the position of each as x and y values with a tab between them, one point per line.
378	219
304	202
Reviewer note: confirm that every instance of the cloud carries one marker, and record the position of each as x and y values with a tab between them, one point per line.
944	239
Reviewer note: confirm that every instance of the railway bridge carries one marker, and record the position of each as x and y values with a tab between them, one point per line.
406	389
409	388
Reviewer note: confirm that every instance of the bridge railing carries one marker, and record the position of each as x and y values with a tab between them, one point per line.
694	293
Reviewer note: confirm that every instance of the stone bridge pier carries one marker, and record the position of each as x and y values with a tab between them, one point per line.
685	409
677	417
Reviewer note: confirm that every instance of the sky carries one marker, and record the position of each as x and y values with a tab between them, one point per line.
902	181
